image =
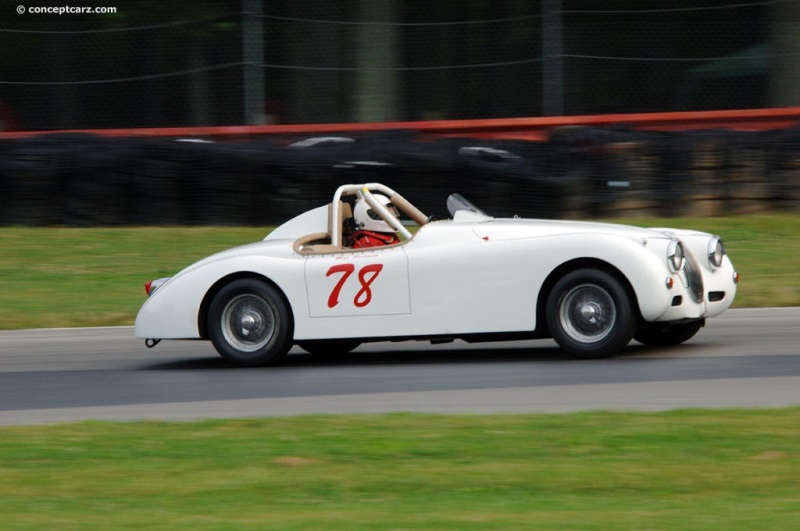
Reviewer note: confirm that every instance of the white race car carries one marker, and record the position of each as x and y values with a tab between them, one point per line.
590	286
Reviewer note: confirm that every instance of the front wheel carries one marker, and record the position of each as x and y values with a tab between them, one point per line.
590	314
249	323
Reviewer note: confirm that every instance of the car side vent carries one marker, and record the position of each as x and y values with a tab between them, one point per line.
715	296
693	277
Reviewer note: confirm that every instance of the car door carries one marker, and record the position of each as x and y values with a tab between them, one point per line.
358	283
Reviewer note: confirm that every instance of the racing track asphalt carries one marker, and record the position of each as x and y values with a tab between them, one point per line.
745	358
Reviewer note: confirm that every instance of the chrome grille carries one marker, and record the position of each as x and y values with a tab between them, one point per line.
693	277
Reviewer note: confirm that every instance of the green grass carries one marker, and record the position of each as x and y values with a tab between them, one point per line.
691	469
62	277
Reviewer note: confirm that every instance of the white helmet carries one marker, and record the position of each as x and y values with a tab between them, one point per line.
368	219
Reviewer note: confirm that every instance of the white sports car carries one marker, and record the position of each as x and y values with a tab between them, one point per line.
590	286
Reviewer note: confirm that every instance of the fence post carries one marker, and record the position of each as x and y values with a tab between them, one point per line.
253	59
552	59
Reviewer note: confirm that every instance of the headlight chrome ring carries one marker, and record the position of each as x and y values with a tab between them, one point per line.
716	252
676	257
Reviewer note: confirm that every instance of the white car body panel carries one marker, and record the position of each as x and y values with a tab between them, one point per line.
469	275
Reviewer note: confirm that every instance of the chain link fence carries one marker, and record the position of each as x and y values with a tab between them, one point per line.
159	64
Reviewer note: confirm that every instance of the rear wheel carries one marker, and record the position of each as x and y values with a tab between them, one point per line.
590	314
249	323
668	336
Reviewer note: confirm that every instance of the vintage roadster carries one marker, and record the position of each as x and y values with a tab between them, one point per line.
590	286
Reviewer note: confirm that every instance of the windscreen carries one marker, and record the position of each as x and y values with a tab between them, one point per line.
458	202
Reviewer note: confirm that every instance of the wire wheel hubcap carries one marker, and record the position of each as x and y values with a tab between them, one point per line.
248	323
587	313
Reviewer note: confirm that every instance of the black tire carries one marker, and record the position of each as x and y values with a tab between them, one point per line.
668	336
328	348
249	323
590	314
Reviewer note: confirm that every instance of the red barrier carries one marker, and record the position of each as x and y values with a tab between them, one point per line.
501	128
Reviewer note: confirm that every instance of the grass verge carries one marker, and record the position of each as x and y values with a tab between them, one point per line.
691	469
64	277
67	277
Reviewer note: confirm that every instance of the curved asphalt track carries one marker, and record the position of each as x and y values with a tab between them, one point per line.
745	358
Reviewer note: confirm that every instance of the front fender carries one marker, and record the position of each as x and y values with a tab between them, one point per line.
641	261
173	310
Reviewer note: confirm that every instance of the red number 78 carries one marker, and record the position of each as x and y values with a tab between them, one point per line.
364	295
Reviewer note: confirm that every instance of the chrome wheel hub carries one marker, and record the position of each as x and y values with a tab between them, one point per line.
587	313
248	322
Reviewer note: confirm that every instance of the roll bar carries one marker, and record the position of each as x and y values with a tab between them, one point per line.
365	191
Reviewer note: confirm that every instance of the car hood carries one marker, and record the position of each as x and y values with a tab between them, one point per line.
507	229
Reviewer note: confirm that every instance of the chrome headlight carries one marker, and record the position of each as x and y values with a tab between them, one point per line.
675	256
716	252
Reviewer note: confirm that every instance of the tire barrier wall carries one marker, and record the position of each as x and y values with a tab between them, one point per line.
81	179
